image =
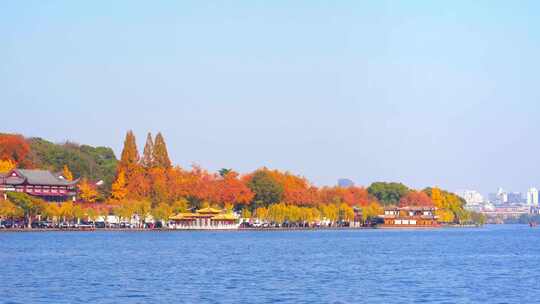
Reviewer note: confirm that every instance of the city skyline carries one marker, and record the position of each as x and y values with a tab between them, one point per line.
419	93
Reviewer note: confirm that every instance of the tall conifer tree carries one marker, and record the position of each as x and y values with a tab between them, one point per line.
130	155
161	156
148	153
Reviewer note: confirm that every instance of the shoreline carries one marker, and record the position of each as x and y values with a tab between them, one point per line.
26	230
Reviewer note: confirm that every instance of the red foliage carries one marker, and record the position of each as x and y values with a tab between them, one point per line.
296	189
415	198
352	196
14	147
230	189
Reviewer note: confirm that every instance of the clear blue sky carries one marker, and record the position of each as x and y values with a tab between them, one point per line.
423	92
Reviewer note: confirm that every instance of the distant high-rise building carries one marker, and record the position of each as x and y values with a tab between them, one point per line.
515	198
345	183
532	197
471	197
501	197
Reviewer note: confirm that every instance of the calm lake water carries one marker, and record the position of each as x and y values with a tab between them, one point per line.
495	264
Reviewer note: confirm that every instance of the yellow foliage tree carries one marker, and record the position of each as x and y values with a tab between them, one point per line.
88	193
346	213
53	211
261	213
6	165
9	210
229	207
66	211
246	213
118	189
162	212
372	210
437	198
180	206
66	173
330	212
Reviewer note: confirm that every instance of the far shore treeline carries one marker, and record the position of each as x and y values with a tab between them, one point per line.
148	183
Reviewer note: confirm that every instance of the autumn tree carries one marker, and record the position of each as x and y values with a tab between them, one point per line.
230	189
9	209
262	213
352	196
416	198
372	210
66	173
160	154
147	160
14	147
142	209
180	206
66	211
7	165
330	212
129	160
125	210
119	190
162	212
346	212
30	206
52	211
445	203
158	179
88	192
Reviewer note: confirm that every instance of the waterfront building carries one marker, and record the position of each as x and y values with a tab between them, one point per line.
39	183
409	217
532	197
204	219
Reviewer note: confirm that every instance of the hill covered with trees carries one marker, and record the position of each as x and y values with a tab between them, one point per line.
84	161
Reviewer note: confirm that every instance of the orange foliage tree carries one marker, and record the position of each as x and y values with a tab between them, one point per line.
352	196
230	189
15	148
416	198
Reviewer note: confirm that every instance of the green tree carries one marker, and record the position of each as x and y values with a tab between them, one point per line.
94	163
388	193
267	190
224	171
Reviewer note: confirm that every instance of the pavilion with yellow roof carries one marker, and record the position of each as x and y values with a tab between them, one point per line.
204	219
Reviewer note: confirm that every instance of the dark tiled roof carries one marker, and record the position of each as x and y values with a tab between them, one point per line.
37	177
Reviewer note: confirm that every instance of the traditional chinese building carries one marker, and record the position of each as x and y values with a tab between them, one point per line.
40	183
206	219
409	217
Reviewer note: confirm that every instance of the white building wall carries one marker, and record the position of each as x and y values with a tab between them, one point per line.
532	197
